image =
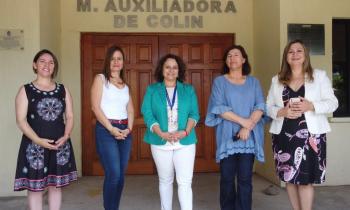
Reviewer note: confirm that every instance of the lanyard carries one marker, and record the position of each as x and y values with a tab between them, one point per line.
172	102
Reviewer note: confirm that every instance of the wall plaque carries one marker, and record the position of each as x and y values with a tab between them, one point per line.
11	39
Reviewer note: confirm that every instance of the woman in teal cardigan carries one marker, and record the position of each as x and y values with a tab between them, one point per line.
170	111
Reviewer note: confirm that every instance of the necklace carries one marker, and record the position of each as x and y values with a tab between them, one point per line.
172	121
117	82
296	83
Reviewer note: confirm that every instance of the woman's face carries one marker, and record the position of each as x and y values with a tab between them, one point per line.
296	55
117	62
170	70
45	65
234	59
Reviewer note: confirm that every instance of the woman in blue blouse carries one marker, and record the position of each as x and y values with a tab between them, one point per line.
235	108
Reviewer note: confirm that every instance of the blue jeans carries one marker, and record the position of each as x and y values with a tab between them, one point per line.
114	156
240	165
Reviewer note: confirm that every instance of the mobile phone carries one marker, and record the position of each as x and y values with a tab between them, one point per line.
294	100
235	137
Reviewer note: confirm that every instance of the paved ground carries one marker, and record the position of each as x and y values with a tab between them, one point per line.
141	192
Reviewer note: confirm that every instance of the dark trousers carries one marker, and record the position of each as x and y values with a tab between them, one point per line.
240	166
114	156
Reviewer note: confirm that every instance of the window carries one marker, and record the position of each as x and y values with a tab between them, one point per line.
311	34
341	66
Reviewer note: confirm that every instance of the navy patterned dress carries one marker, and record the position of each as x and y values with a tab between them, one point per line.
300	157
38	167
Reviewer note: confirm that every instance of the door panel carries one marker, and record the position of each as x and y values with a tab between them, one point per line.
203	57
141	55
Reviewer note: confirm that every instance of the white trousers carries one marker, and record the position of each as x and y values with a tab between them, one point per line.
182	160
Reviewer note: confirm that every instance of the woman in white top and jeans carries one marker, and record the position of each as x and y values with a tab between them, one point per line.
113	107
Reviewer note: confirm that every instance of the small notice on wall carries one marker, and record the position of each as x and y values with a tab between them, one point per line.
11	39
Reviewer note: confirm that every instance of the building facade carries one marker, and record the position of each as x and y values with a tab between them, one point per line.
61	26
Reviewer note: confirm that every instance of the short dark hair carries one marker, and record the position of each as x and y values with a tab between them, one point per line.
246	66
107	62
158	74
55	61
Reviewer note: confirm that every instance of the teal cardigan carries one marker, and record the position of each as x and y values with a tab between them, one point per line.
154	110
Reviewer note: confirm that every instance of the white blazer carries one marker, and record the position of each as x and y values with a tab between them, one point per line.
319	92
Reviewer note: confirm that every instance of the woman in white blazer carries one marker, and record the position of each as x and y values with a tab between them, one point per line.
298	101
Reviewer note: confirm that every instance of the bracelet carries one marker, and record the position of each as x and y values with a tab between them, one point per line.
186	133
129	130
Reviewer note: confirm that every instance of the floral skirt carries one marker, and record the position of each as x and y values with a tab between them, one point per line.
300	157
38	168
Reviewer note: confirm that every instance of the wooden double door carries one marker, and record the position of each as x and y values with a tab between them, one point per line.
202	54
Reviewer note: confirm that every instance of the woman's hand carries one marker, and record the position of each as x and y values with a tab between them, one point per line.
61	141
303	106
167	136
125	132
47	143
117	133
247	123
178	135
289	111
243	134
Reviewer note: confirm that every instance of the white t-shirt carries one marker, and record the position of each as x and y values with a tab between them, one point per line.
114	100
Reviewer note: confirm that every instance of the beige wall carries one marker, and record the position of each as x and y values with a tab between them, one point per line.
50	26
15	70
267	59
338	155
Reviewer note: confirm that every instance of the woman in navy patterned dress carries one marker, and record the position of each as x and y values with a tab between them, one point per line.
298	101
44	113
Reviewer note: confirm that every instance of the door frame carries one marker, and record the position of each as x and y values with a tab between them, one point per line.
85	149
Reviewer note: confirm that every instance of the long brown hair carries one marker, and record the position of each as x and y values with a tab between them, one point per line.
107	62
285	73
